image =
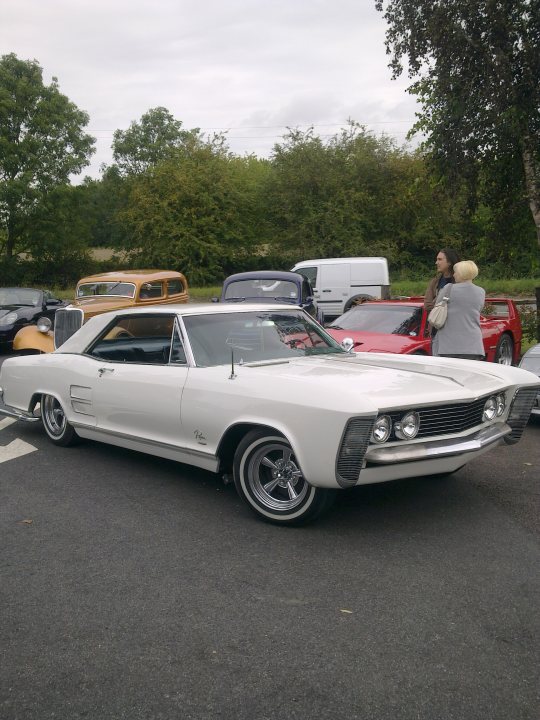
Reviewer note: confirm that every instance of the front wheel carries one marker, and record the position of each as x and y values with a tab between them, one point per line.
504	353
268	478
56	426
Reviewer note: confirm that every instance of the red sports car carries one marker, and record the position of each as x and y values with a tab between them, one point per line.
400	326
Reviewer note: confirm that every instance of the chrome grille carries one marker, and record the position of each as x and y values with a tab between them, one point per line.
66	324
445	419
352	450
520	410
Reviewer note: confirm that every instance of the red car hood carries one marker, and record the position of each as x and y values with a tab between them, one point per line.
378	342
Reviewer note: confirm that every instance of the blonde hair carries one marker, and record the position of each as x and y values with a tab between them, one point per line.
465	270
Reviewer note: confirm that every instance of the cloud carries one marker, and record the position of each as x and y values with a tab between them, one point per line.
250	66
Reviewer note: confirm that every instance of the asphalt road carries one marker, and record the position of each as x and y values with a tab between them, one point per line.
133	587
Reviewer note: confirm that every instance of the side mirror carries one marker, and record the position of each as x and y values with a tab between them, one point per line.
214	299
347	344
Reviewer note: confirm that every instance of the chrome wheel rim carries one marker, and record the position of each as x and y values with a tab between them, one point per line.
53	415
505	352
275	478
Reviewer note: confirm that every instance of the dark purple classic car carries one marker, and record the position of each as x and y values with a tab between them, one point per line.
271	286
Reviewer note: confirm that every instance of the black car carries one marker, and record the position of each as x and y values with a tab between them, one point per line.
23	306
271	286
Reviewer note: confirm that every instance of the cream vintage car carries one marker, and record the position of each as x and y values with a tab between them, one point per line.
265	394
97	294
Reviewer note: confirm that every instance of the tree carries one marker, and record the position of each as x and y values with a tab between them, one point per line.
154	138
42	143
477	66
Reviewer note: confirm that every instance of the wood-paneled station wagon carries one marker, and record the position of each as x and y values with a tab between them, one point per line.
264	393
97	294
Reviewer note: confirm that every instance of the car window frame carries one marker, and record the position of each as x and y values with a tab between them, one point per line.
88	350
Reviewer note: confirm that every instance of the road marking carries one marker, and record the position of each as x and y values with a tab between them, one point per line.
6	422
16	448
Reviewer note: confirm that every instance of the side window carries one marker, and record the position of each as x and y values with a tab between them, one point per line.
310	273
136	339
175	287
151	290
178	355
307	290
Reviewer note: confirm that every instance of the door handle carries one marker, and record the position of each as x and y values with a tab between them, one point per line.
104	370
327	290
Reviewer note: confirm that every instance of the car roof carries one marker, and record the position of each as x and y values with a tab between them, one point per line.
407	303
342	261
202	308
265	275
133	276
533	351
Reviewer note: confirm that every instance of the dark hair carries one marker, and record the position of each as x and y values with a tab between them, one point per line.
452	256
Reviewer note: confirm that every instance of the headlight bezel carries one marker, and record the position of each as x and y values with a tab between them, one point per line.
9	319
404	434
381	420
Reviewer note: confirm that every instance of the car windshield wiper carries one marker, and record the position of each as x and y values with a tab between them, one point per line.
285	299
336	327
235	298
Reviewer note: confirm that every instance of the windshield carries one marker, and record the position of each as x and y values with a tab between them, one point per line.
122	289
256	336
386	319
20	296
263	290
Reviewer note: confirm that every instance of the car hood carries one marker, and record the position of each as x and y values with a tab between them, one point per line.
376	342
6	309
361	379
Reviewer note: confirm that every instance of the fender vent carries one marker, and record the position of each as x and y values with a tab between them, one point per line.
352	450
519	413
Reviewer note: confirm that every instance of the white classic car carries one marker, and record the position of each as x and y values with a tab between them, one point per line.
264	393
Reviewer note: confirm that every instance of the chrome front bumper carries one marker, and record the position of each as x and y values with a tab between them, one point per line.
431	450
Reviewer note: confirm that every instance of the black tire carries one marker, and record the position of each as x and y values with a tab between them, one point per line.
54	421
504	352
268	479
356	300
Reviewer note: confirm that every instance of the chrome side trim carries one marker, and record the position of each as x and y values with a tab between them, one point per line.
146	441
438	448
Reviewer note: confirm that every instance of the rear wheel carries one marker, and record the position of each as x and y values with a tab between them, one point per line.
504	352
268	478
356	300
56	426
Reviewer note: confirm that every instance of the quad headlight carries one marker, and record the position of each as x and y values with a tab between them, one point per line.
381	429
494	407
407	428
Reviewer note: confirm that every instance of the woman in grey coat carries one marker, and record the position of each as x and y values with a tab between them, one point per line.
460	336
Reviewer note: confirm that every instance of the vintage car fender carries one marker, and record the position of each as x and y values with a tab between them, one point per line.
30	338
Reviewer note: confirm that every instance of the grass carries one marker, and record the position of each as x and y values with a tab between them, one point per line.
516	287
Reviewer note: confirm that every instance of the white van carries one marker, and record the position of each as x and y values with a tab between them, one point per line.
339	282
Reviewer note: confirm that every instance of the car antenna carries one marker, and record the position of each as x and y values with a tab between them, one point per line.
233	375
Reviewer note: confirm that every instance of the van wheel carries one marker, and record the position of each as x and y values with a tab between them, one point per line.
268	478
357	300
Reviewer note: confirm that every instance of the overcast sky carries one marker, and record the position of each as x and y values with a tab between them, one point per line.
249	67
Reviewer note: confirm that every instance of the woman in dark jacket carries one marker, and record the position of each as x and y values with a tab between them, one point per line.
445	261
